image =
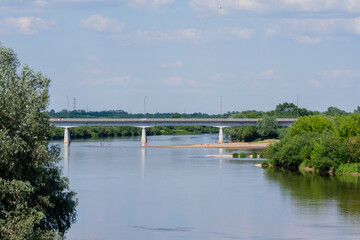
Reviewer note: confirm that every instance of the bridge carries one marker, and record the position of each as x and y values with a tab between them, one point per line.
220	123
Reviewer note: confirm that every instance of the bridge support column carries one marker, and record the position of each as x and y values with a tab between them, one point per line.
143	137
67	136
221	133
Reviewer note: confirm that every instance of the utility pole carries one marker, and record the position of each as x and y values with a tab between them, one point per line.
297	106
221	105
74	102
68	105
144	106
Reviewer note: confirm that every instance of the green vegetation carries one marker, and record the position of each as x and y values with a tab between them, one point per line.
242	155
235	155
35	200
326	144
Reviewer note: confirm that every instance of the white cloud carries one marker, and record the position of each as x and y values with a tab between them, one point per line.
314	30
244	33
265	6
156	4
314	83
226	6
94	71
101	24
93	57
175	64
173	81
307	39
40	3
116	81
177	81
190	34
340	73
263	74
25	25
270	32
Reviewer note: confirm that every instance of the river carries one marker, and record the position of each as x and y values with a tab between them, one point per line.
129	192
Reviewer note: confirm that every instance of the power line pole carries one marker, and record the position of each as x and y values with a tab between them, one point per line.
297	106
74	102
144	106
221	105
68	105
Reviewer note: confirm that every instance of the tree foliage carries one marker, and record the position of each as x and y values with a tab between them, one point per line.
267	127
320	142
35	200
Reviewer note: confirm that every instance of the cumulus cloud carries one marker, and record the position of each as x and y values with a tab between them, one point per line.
102	24
25	25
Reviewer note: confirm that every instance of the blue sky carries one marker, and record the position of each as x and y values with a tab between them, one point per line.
184	55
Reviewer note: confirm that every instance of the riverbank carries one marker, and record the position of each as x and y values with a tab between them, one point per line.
230	145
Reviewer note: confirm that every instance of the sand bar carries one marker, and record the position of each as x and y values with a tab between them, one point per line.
230	145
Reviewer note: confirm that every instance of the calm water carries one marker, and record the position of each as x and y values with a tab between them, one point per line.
127	192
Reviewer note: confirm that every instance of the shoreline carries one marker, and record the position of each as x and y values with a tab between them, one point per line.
229	145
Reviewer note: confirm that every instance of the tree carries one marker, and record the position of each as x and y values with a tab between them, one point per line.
35	200
267	127
334	111
290	110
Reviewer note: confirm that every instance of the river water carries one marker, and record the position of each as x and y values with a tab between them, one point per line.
129	192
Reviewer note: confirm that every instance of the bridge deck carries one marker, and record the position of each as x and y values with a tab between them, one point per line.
225	122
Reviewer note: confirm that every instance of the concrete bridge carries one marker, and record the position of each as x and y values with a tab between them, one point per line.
220	123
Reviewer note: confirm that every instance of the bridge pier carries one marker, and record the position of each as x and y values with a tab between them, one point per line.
143	136
221	133
67	136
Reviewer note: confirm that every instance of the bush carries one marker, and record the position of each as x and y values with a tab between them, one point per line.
235	155
267	163
348	168
254	155
242	155
324	164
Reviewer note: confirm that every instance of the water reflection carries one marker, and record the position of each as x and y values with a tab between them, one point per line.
313	191
143	162
66	159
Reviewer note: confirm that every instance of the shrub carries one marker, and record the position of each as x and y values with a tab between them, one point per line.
235	155
254	155
267	163
242	155
324	164
348	168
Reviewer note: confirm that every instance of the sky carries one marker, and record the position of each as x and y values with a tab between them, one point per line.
189	56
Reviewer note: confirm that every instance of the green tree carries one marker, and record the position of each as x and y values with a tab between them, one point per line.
314	123
267	127
290	110
35	200
334	111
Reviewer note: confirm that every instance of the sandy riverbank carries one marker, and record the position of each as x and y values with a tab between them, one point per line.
231	145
